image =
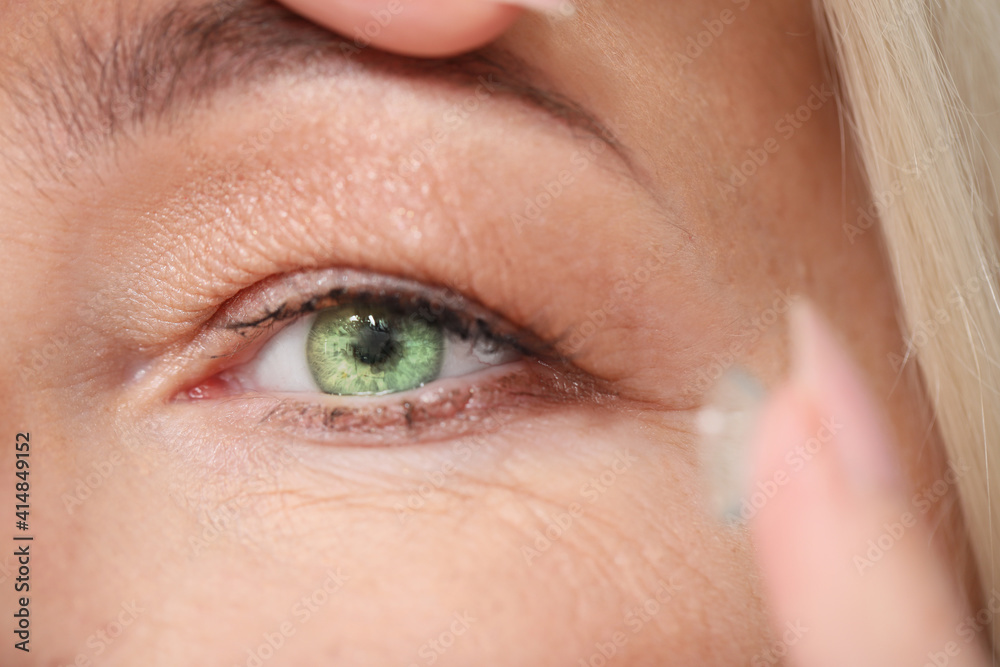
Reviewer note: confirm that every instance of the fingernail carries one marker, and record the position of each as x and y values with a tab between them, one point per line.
559	8
726	424
848	415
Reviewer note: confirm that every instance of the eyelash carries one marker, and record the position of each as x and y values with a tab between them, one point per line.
543	378
475	329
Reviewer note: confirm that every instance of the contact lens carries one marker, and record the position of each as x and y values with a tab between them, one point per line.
726	423
365	349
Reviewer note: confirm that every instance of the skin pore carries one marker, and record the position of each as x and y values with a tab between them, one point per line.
641	186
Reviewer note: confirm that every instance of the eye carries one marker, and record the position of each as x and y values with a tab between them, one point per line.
366	348
351	358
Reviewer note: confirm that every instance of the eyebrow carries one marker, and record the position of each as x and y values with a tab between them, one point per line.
92	91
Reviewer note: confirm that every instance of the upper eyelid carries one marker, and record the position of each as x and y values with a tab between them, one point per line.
310	286
452	310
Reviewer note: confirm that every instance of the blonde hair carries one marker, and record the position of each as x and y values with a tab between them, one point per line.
920	83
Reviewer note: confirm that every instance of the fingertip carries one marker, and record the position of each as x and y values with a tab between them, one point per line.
422	28
823	368
841	550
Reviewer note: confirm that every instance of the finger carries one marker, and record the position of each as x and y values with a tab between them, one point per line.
420	27
851	573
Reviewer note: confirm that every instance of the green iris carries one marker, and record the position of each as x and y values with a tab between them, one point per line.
366	349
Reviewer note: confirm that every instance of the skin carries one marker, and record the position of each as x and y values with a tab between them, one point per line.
229	534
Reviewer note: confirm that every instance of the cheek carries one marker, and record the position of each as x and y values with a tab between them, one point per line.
575	537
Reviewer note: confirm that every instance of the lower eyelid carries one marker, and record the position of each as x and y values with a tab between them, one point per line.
477	404
416	412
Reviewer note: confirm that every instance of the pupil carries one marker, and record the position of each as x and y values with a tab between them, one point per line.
375	344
